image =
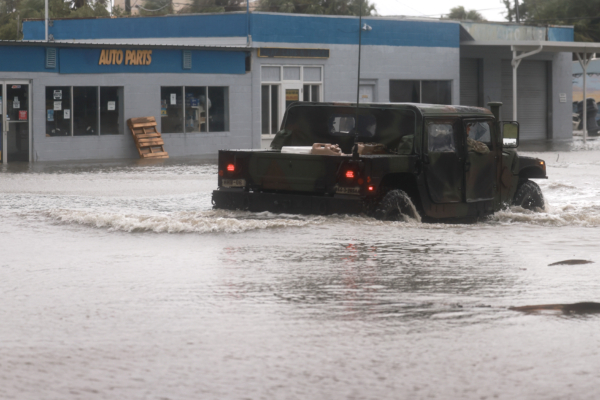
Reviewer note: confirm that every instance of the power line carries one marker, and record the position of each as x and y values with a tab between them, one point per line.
565	19
404	5
158	9
483	9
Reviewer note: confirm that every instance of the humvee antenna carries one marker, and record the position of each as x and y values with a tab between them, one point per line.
360	29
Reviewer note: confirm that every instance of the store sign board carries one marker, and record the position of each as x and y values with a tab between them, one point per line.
102	61
131	57
280	52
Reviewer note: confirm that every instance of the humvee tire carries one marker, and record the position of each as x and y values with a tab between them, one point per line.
394	206
529	196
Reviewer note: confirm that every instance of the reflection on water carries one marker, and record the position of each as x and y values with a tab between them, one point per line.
118	280
407	278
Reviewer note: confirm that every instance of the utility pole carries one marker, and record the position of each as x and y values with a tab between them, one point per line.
355	147
46	20
517	11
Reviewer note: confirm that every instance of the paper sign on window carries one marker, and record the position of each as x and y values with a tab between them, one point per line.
16	103
111	106
67	114
173	99
57	105
50	115
292	94
22	115
57	95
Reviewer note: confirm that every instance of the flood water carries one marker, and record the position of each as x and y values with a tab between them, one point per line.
118	281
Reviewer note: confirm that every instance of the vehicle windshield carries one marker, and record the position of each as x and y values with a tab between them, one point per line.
393	128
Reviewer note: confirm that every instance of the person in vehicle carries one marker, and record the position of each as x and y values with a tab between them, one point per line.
476	130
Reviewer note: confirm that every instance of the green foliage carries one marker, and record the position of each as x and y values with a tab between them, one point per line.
583	15
212	6
329	7
460	13
13	12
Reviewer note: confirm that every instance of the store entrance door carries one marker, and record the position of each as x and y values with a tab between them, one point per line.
15	106
292	92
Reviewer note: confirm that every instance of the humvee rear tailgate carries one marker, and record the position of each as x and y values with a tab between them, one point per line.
293	172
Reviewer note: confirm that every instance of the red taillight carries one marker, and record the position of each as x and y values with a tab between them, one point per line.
349	174
230	167
371	188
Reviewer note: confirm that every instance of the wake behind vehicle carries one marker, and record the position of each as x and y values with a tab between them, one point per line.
434	162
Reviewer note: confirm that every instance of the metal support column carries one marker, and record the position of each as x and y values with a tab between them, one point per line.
516	60
46	19
584	64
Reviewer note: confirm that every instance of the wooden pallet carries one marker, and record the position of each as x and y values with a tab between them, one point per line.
148	140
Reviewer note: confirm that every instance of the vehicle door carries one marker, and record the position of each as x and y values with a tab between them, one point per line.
480	160
443	163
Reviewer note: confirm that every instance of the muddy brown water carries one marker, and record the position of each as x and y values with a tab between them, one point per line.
117	280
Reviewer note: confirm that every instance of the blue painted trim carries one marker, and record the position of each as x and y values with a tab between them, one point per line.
23	59
85	61
277	28
273	28
219	25
561	34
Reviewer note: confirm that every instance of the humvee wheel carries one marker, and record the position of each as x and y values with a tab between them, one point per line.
529	196
395	206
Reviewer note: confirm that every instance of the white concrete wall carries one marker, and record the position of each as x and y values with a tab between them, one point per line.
379	64
559	114
142	98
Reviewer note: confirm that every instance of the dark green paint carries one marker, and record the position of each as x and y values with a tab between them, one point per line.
443	185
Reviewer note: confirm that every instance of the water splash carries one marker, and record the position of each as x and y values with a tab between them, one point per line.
567	215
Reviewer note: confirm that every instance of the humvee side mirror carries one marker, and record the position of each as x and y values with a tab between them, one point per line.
510	134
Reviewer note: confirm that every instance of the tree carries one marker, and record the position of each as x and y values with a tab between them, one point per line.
511	10
210	6
461	14
583	15
329	7
12	13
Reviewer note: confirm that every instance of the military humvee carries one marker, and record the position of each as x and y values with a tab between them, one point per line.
434	162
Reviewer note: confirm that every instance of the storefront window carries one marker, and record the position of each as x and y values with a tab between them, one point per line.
84	116
111	111
269	108
171	109
311	92
219	111
58	111
205	109
17	103
195	109
284	85
264	108
405	91
274	108
431	92
436	92
85	110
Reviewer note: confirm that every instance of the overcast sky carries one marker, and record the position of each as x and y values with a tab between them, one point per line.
490	9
